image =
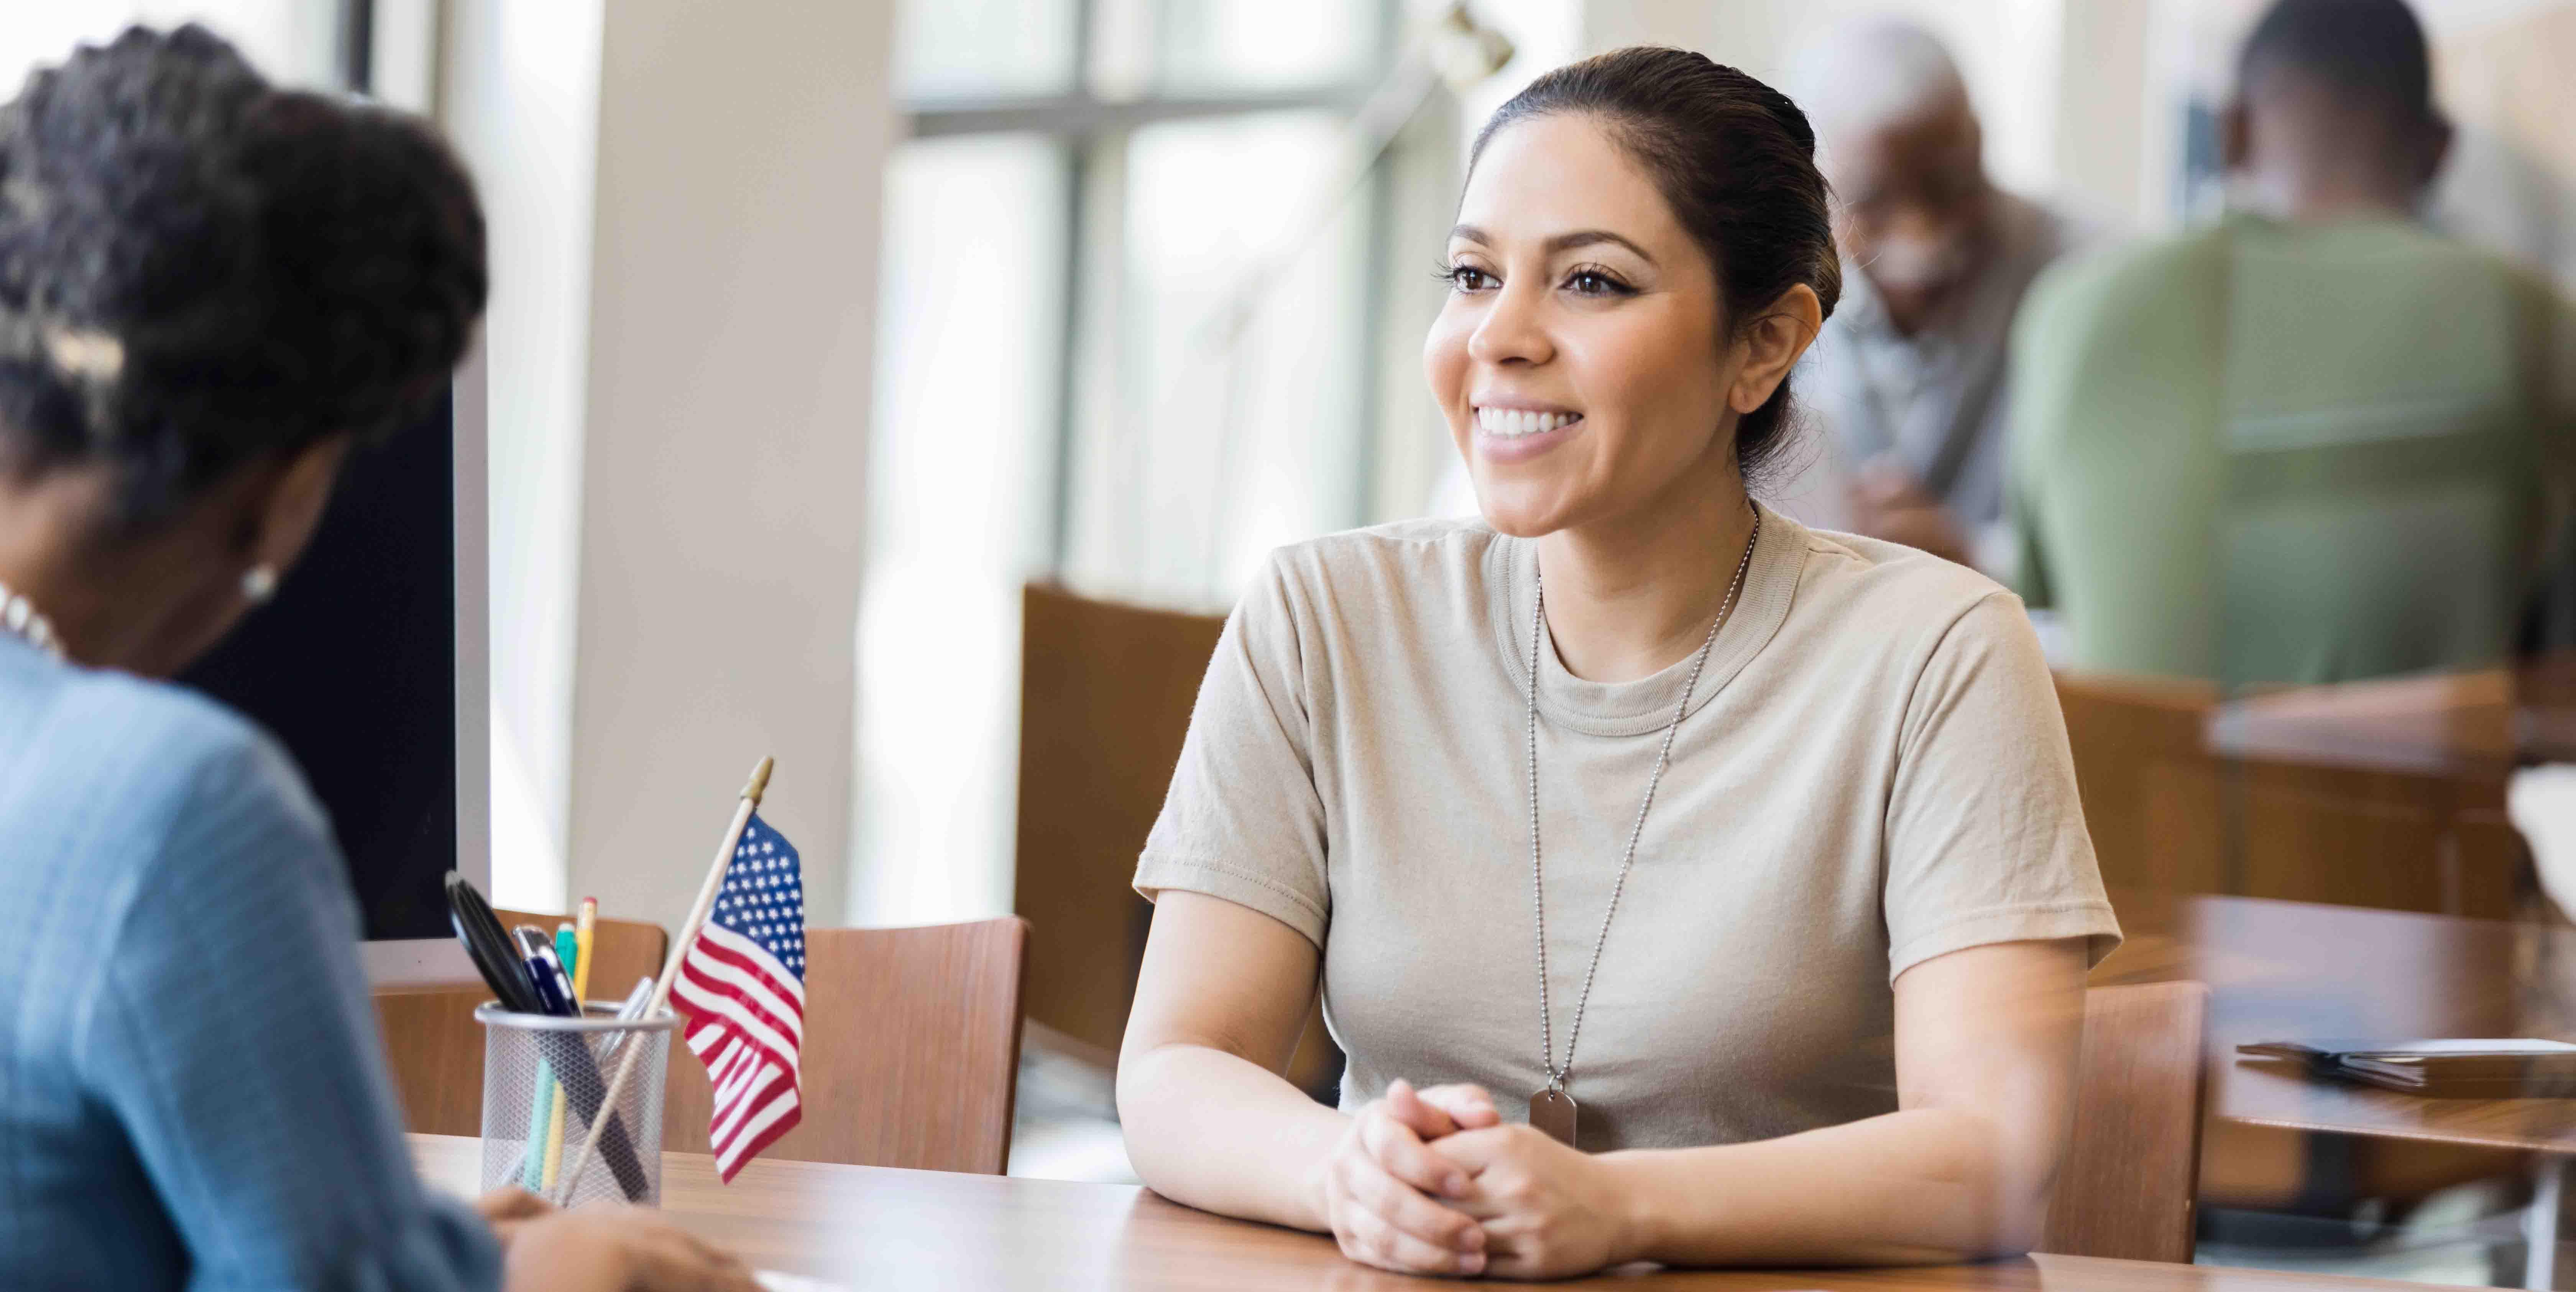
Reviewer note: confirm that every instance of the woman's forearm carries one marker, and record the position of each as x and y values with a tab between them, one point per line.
1224	1134
1933	1184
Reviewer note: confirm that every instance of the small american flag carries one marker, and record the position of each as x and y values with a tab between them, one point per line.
743	988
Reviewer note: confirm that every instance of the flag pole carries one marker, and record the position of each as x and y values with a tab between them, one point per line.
751	792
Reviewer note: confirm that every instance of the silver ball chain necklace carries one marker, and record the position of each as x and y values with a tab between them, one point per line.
1552	1110
20	618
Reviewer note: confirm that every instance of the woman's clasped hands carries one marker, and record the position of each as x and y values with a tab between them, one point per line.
1432	1181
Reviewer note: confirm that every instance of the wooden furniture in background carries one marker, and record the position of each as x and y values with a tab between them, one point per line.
2402	780
2185	795
2148	784
2133	1161
1105	696
912	1050
1106	691
867	1227
2313	971
435	1048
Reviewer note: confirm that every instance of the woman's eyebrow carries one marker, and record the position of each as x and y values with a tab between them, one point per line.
1564	242
1557	245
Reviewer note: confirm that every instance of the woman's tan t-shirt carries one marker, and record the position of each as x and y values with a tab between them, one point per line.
1873	772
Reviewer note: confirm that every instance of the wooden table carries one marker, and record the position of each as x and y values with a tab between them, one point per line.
879	1228
2302	971
2475	724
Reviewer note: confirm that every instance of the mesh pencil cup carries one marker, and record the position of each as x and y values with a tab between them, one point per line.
532	1063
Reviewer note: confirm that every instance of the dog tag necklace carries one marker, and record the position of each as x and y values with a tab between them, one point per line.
1552	1110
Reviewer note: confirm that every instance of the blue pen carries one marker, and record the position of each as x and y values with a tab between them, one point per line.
554	989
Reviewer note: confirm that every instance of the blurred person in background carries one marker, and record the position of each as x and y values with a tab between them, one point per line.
2312	443
1909	380
210	289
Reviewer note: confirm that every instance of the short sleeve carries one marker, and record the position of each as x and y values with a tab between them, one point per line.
234	1040
1985	837
1242	820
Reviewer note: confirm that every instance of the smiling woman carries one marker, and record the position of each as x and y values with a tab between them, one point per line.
1714	172
1799	947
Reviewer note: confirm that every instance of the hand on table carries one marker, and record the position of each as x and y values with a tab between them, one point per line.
609	1248
1377	1190
1547	1211
508	1209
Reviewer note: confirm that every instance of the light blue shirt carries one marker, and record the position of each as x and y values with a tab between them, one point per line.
192	1090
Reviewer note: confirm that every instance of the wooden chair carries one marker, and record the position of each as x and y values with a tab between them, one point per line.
435	1048
1105	696
912	1050
2125	1188
1106	691
2148	785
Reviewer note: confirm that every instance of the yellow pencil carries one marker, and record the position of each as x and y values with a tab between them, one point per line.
581	934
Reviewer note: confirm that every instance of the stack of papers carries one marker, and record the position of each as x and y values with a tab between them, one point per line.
2480	1068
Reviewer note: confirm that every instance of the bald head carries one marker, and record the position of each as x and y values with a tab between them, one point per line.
1898	139
1864	76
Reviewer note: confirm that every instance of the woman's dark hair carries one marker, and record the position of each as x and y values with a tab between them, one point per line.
198	269
1735	159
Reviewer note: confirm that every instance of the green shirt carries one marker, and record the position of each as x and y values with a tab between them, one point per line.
2275	453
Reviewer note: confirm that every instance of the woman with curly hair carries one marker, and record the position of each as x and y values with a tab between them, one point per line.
210	290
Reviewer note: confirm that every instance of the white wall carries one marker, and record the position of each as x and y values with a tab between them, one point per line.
519	95
732	289
683	202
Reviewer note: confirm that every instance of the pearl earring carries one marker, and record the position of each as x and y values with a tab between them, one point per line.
259	583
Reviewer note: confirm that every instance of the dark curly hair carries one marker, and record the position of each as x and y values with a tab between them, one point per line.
1735	159
198	269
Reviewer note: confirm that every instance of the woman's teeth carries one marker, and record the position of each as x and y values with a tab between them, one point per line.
1510	422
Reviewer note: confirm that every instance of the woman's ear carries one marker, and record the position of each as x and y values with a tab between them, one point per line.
284	511
1772	344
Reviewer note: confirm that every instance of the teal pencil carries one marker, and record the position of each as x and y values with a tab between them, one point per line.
541	1116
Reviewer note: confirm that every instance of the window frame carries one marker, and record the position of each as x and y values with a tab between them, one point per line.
1092	132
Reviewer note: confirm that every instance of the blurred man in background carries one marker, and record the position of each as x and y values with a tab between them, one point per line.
1909	377
2315	442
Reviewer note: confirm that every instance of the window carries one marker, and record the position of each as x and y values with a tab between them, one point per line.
295	41
1130	332
968	374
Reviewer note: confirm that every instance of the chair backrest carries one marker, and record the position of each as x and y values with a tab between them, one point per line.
1105	696
435	1048
2133	1163
912	1049
2149	786
1106	691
